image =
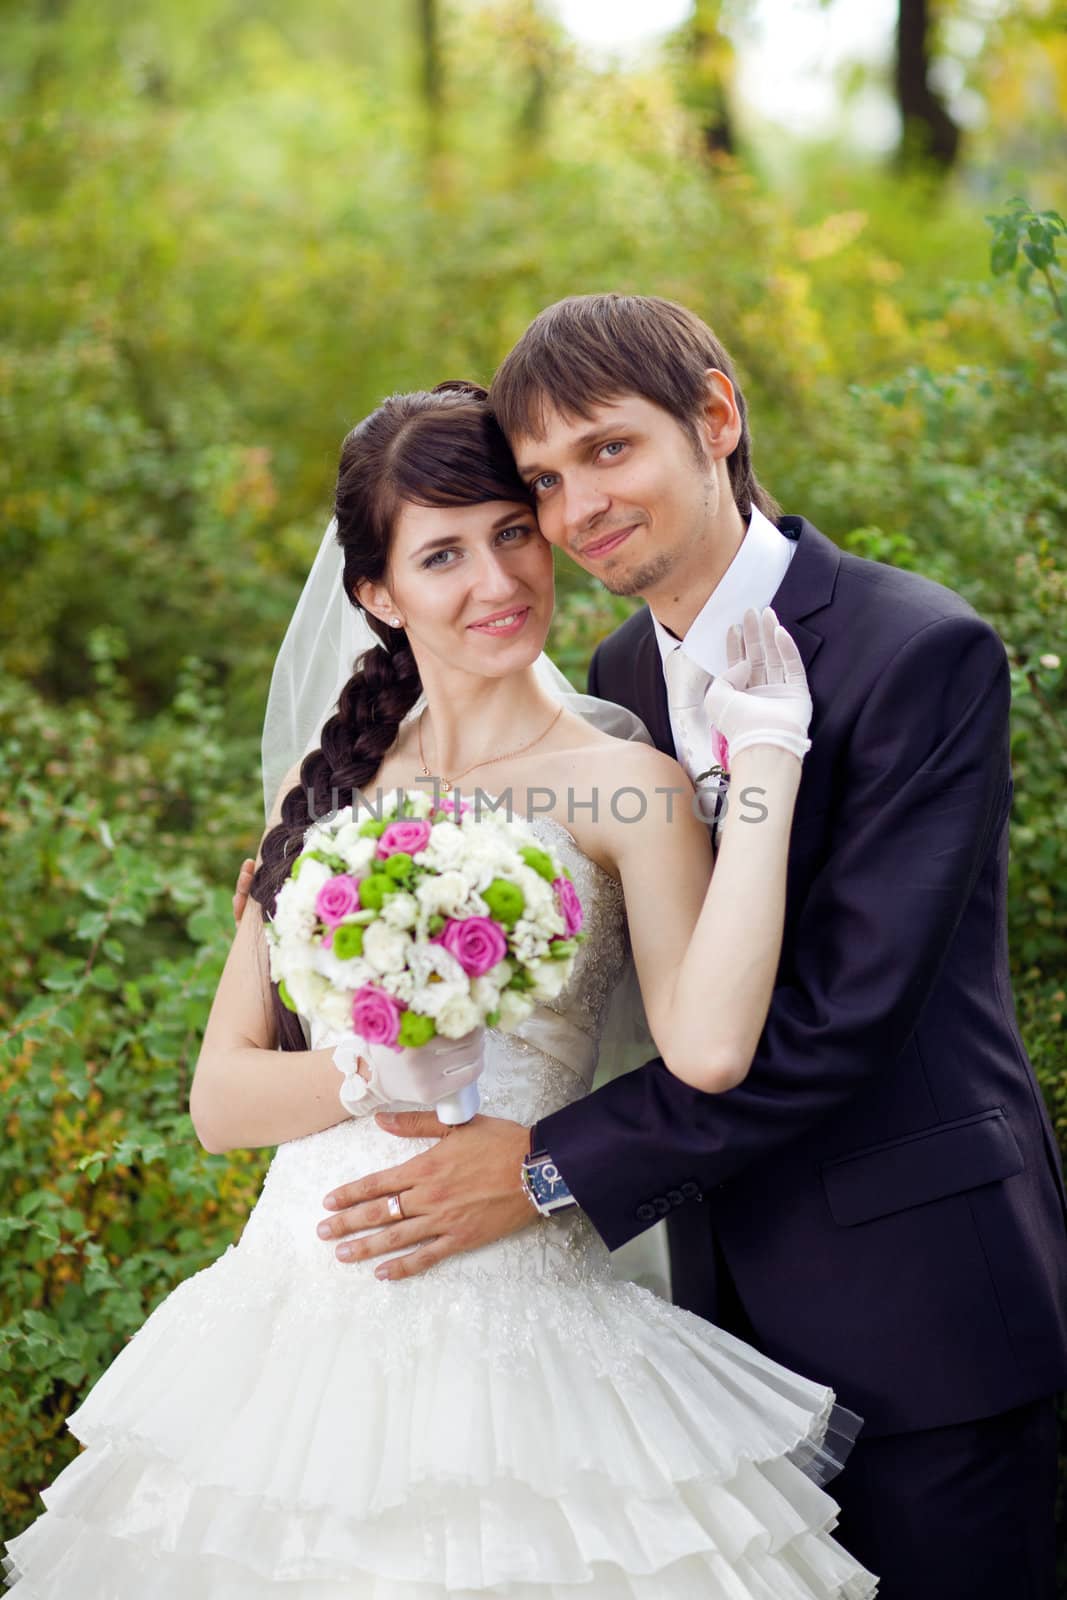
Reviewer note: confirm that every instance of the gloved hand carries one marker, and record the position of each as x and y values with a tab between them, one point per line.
424	1075
762	697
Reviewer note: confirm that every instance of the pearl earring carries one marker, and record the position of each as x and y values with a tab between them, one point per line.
394	622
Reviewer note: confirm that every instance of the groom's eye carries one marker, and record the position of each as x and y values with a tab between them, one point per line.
614	445
542	482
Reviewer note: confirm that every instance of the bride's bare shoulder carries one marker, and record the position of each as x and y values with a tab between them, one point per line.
603	759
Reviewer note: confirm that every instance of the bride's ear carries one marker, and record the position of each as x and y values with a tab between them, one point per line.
375	598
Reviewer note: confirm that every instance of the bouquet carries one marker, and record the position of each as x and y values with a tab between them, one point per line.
420	925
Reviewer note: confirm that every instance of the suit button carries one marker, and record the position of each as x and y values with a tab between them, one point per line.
661	1205
691	1191
676	1197
645	1213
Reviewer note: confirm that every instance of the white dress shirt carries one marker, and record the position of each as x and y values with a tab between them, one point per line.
752	579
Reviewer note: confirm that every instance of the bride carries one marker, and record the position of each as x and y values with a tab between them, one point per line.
515	1422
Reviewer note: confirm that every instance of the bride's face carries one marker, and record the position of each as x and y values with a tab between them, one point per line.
473	585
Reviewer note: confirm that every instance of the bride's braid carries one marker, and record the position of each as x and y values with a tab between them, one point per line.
436	448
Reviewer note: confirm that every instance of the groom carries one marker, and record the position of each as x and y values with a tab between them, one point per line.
879	1205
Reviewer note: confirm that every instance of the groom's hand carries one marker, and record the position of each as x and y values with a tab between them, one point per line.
244	883
463	1193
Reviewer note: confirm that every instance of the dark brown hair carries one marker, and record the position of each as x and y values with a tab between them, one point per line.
590	348
429	448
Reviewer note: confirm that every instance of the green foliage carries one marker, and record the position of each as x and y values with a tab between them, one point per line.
1035	234
117	839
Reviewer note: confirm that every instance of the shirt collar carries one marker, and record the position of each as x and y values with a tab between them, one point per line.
752	579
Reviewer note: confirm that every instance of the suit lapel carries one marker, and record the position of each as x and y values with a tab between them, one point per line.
808	586
654	711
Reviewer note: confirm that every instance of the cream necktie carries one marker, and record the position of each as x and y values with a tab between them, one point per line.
687	684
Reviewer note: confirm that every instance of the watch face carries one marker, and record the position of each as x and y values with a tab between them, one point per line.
551	1177
548	1182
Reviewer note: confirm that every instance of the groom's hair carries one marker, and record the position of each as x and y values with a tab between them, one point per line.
591	348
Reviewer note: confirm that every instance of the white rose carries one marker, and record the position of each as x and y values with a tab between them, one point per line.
386	948
400	984
307	990
432	998
420	803
529	945
448	896
538	893
514	1009
549	978
401	910
433	960
457	1017
446	849
485	994
293	922
358	853
335	1009
350	974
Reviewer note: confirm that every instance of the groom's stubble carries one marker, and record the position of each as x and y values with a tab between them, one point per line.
651	580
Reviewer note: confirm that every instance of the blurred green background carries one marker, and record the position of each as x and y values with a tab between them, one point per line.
229	230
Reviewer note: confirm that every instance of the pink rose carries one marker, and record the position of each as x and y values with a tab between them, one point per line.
450	806
336	899
376	1016
410	836
476	942
570	905
720	750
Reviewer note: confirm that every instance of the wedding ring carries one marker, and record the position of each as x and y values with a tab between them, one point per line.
395	1211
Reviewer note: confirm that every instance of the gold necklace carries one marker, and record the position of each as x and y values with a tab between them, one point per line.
450	783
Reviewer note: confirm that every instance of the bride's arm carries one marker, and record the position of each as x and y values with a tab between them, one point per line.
707	953
247	1093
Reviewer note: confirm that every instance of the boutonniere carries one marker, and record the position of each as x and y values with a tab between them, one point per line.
719	774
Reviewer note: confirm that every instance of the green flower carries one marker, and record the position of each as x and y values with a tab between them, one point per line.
415	1030
560	949
435	926
375	890
347	941
520	980
285	997
540	861
505	900
373	828
399	866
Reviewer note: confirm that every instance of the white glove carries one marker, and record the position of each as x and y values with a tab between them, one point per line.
424	1075
762	697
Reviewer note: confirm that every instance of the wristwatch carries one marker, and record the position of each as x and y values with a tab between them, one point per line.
544	1184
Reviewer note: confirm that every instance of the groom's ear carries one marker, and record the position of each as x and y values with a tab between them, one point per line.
720	422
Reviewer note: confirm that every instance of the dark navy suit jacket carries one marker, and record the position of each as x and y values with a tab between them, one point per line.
880	1204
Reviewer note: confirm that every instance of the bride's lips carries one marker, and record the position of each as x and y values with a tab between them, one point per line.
604	547
520	614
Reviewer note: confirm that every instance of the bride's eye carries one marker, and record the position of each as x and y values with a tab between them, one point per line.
519	530
432	561
614	445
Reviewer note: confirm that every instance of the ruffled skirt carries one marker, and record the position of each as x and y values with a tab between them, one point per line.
514	1423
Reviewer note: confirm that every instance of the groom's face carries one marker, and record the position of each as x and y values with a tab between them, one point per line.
626	492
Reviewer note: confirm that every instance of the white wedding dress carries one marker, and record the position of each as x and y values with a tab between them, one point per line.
514	1423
